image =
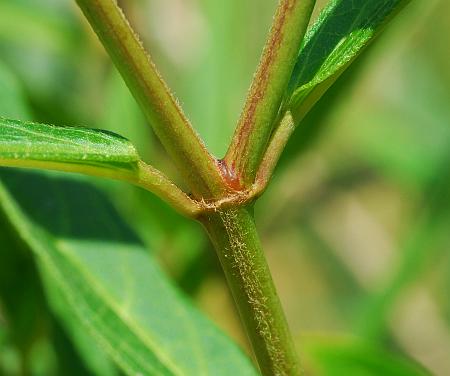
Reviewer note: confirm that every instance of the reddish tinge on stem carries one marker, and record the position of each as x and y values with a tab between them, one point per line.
229	175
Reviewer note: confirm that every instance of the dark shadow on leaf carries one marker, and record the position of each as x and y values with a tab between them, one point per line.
66	207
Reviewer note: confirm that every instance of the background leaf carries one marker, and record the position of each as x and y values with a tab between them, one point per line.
342	356
11	103
111	284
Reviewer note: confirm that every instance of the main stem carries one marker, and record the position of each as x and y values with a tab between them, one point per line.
236	241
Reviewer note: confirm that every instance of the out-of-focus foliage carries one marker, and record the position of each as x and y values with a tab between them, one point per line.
348	356
356	220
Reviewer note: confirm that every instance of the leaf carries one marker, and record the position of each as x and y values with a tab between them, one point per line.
27	144
343	30
111	283
94	359
344	356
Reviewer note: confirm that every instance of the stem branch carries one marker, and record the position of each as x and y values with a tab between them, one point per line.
146	177
150	91
275	148
156	182
266	92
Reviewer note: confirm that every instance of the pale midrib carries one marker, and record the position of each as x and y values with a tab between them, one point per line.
136	329
192	333
122	347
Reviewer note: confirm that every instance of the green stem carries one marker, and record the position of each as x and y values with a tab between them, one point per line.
156	182
146	177
234	236
275	148
266	92
150	91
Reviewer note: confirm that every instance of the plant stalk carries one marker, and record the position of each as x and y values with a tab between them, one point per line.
236	241
274	150
266	92
146	177
154	97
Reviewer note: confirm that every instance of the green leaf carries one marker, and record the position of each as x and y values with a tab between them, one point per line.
344	356
94	359
343	30
27	144
111	283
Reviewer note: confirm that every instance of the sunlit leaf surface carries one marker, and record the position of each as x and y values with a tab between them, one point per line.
22	143
343	30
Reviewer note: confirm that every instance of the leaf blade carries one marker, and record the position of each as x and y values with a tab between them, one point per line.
29	144
343	30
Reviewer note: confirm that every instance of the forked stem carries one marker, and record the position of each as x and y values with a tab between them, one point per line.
225	205
158	104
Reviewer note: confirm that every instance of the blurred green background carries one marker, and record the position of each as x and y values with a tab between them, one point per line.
356	221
